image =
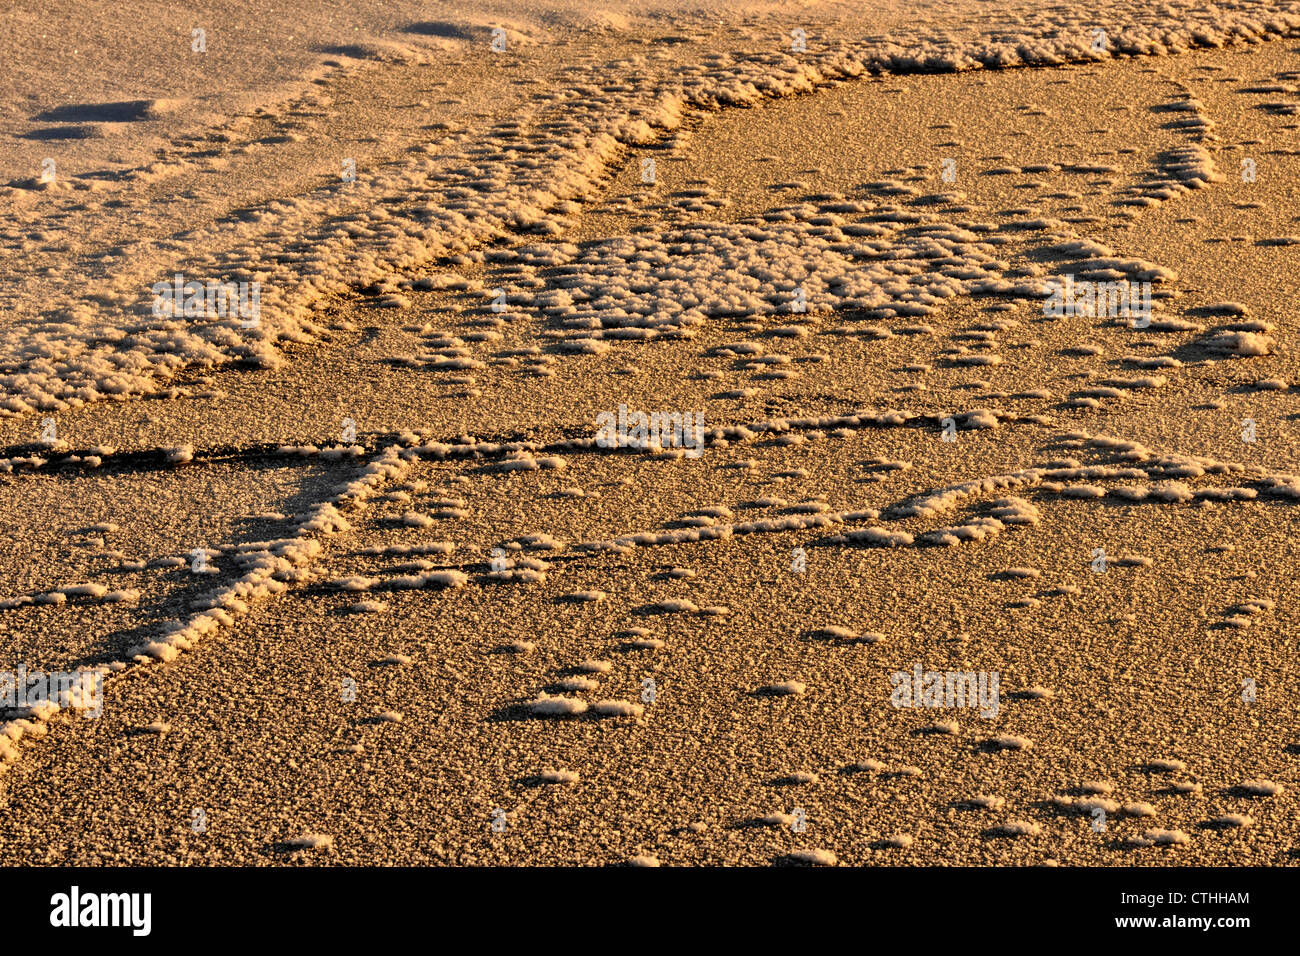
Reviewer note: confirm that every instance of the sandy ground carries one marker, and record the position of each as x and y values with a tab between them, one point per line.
363	585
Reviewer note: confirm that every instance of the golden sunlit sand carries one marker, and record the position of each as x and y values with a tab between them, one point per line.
856	434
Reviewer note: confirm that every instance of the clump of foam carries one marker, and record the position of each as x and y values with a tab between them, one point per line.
547	706
880	537
1161	838
1240	343
1017	828
1261	788
814	857
558	776
310	841
1166	766
787	688
617	708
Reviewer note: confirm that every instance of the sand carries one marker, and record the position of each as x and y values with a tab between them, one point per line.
654	442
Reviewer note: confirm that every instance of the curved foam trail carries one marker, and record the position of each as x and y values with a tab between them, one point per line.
75	346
